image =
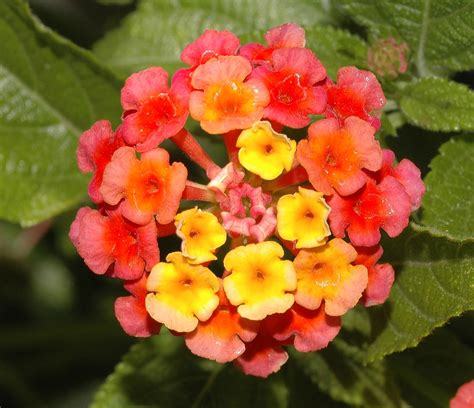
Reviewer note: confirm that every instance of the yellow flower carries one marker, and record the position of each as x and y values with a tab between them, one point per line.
183	293
259	280
302	217
325	273
265	152
201	233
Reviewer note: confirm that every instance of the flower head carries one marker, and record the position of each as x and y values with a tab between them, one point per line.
259	281
224	100
201	233
265	152
302	217
181	293
464	397
334	156
325	273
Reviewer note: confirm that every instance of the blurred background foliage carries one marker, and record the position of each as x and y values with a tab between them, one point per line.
59	339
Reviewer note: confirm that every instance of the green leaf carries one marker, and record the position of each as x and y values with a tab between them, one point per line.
431	374
338	371
440	33
161	372
438	104
50	91
336	48
157	32
448	205
434	282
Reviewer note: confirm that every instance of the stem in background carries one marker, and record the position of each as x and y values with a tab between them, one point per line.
29	238
296	175
191	148
230	140
288	245
197	192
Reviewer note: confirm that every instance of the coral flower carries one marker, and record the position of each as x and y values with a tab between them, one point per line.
183	294
265	152
95	150
147	186
356	93
224	100
464	397
385	205
110	243
302	217
131	313
325	273
334	156
292	82
259	281
222	338
201	233
284	36
153	112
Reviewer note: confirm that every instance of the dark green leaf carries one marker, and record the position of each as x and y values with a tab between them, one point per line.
157	32
161	372
431	374
336	48
434	282
50	91
448	206
440	33
438	104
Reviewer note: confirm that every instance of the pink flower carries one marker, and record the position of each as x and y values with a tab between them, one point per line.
385	205
356	93
153	111
285	36
291	81
111	244
464	398
131	313
95	150
147	186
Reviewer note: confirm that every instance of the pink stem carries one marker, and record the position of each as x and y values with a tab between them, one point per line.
297	175
165	230
197	192
289	245
230	140
191	147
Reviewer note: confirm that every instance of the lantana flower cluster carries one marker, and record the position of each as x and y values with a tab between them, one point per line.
296	224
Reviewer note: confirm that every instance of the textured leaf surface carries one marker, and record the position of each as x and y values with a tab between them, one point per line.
336	48
431	374
161	372
440	33
50	91
345	379
434	282
156	33
448	206
439	104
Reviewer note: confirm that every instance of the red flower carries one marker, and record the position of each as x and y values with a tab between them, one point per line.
153	112
147	186
464	397
95	150
356	93
334	156
381	276
111	244
285	36
291	81
385	205
131	313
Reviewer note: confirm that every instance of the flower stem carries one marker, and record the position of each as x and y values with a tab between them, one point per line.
197	192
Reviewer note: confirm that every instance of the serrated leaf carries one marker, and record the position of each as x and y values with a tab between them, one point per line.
438	104
336	48
434	282
447	205
157	32
161	372
440	33
345	379
50	90
431	374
